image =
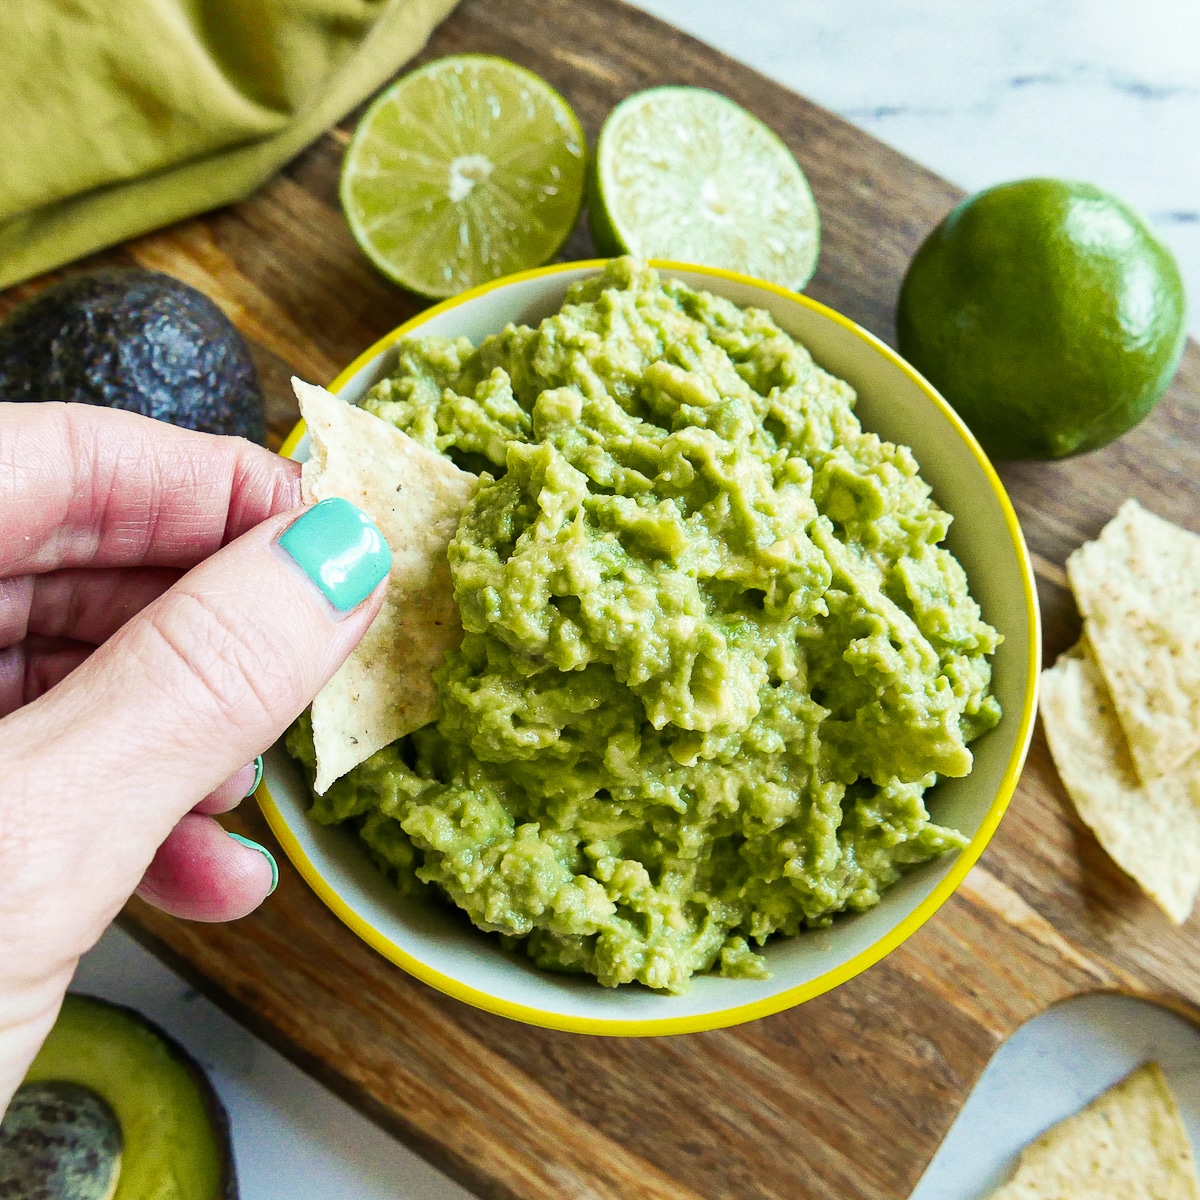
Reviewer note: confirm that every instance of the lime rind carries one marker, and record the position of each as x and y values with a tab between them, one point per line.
1048	313
465	170
686	174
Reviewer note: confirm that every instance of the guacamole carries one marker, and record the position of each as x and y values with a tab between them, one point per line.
714	653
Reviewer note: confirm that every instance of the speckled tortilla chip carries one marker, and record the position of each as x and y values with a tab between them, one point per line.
1128	1144
1151	831
385	688
1138	587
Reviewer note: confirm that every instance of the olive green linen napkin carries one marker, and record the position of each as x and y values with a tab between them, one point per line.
118	116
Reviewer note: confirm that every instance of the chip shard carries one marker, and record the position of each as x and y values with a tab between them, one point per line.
1150	830
415	496
1138	588
1128	1144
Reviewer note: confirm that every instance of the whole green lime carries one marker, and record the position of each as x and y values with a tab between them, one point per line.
1047	314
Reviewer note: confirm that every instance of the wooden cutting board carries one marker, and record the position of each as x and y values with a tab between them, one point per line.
847	1096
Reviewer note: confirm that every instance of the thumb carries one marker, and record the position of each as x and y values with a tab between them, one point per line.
193	688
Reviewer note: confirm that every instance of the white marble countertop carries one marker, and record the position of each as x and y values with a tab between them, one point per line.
979	92
983	93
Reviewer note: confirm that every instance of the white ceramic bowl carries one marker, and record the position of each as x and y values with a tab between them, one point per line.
442	949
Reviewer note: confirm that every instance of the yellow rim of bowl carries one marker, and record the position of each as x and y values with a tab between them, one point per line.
738	1013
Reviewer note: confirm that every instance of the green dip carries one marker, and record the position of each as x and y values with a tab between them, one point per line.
714	654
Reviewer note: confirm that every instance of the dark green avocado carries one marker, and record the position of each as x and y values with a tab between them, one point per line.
133	339
112	1102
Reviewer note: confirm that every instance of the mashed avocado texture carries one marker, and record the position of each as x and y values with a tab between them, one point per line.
714	652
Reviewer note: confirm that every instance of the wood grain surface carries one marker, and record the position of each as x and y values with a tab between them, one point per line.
849	1095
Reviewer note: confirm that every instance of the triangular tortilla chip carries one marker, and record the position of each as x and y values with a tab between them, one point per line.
1128	1144
416	496
1138	587
1151	831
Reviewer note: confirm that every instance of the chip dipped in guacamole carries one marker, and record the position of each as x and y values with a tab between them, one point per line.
714	653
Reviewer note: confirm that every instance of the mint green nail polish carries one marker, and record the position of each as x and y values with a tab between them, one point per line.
339	548
245	841
258	774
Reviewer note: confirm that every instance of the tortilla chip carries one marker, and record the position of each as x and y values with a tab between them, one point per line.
1138	587
385	688
1128	1144
1151	831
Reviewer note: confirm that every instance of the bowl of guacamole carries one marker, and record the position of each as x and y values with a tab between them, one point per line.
748	661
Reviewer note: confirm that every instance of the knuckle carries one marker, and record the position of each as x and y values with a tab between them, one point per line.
236	680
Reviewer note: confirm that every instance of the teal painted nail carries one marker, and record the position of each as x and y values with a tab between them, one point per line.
245	841
339	548
258	770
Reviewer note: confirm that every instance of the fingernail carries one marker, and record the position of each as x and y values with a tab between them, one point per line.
258	770
245	841
340	549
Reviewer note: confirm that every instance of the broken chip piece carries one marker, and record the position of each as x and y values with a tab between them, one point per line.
1138	589
1128	1144
1150	830
415	496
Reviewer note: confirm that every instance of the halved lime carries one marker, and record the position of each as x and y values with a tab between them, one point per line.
466	169
685	174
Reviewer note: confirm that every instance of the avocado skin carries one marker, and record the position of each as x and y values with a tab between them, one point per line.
133	339
140	1070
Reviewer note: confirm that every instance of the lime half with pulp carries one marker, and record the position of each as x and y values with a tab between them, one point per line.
685	174
466	169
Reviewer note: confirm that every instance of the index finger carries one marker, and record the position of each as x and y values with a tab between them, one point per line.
82	485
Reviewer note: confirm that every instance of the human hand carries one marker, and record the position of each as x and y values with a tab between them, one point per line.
154	638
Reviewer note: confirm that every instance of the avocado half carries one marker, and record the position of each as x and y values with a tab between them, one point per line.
133	339
166	1135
